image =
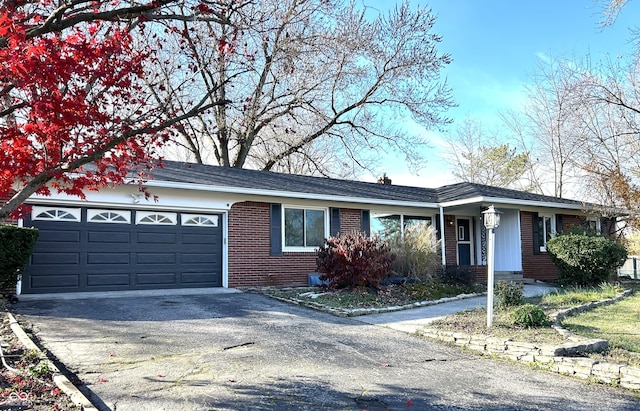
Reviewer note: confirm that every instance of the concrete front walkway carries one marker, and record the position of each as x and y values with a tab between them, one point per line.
415	319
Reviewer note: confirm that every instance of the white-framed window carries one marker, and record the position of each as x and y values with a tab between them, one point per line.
199	220
304	228
156	218
387	225
546	230
109	216
55	213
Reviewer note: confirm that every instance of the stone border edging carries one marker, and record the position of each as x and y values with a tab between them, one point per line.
61	381
356	312
561	358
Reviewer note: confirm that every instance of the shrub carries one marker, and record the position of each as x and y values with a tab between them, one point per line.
354	260
508	294
585	260
16	245
456	275
529	315
417	255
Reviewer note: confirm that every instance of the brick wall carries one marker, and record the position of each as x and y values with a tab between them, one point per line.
250	262
450	241
571	221
350	221
537	266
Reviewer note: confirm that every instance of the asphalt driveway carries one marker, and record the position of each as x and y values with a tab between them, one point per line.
248	352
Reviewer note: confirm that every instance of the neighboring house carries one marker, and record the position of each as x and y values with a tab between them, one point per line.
226	227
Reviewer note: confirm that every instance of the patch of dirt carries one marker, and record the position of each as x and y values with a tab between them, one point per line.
26	382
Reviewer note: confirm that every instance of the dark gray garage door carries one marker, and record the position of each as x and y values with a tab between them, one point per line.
111	250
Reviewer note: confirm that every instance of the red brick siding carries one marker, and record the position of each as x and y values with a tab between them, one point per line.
350	221
450	240
250	262
537	266
571	221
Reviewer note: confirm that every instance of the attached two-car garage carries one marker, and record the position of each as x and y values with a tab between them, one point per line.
87	249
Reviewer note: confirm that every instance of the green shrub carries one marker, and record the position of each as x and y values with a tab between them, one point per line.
354	260
529	315
508	294
417	255
456	275
16	245
585	260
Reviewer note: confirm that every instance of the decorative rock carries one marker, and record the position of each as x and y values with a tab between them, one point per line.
607	372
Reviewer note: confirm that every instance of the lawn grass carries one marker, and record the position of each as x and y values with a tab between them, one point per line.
474	322
574	296
617	323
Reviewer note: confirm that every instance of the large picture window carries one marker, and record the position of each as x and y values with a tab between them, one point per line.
388	225
304	228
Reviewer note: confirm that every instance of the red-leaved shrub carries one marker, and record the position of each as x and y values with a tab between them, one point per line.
354	260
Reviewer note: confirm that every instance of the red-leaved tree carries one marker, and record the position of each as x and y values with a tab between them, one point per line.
74	115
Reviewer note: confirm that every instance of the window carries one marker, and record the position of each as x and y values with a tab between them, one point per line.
55	214
304	227
199	220
109	216
546	230
156	218
387	225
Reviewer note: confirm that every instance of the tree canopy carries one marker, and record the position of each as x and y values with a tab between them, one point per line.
311	85
92	90
73	91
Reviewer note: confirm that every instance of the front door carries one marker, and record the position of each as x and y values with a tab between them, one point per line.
463	228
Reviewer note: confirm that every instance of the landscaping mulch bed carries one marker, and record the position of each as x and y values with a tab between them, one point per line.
26	382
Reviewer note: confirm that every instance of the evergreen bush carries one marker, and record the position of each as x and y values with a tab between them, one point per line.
456	275
585	260
530	315
16	245
508	294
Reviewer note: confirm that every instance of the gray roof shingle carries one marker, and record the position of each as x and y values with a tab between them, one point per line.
174	171
279	182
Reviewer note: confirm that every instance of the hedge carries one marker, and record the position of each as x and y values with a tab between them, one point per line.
585	260
16	246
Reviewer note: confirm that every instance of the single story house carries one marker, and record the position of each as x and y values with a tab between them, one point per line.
213	226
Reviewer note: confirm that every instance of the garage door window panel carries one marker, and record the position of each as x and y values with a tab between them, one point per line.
156	218
55	214
109	216
196	220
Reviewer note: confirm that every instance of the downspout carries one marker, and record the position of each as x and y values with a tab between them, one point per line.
444	257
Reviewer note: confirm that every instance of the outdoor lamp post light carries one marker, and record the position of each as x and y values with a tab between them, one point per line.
491	222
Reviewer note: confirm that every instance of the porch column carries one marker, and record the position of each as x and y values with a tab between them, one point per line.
442	247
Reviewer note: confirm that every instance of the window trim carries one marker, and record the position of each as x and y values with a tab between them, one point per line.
552	218
286	248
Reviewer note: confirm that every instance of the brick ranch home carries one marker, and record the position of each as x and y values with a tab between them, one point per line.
225	227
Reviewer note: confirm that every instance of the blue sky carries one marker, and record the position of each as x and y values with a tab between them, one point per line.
495	45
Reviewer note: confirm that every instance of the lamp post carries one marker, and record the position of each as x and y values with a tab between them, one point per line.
491	219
